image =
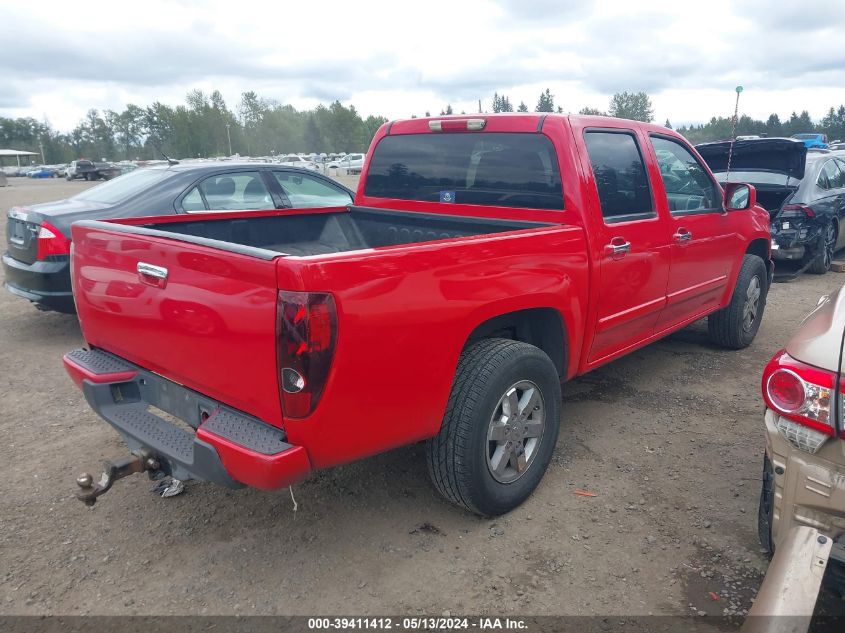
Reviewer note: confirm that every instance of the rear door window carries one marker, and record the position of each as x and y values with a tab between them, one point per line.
620	176
496	169
235	191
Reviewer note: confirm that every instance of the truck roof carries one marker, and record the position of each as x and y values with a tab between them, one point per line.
516	122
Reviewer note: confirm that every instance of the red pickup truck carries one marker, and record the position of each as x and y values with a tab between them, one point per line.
485	261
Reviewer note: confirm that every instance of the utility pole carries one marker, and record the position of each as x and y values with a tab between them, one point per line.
41	145
229	136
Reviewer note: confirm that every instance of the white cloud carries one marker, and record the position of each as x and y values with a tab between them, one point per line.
399	59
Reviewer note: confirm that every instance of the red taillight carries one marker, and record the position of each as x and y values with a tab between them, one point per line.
456	125
306	331
786	390
795	210
800	392
51	241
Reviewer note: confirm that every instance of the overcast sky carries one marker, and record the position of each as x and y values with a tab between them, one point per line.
400	58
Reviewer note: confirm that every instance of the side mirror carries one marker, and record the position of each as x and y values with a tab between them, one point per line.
739	196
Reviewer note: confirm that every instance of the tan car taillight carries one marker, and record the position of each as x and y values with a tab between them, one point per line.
802	396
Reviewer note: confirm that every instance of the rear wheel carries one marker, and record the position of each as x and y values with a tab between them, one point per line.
736	325
823	257
500	428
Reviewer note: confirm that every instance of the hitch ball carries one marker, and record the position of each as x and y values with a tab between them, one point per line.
84	480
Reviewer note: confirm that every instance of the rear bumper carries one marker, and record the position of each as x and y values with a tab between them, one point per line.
794	243
809	489
46	283
207	441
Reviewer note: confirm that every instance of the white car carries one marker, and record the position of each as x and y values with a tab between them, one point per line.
292	160
349	164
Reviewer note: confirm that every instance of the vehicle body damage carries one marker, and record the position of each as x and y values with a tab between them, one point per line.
803	192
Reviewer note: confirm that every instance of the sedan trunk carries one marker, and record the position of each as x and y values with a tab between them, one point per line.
772	199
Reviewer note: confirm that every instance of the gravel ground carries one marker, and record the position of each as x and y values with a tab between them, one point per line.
669	439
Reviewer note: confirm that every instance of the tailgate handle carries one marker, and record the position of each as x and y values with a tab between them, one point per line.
153	275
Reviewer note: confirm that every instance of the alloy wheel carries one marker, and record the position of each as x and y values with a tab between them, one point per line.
752	303
515	431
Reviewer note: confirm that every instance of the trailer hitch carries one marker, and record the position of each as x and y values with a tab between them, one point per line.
137	462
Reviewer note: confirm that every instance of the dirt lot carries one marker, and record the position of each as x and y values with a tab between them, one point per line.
669	439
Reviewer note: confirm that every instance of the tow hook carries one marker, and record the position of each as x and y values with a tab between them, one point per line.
138	462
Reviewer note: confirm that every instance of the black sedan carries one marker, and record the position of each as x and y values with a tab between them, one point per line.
36	263
803	191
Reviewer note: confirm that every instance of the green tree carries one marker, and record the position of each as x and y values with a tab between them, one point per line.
501	103
632	105
546	102
773	126
522	107
592	111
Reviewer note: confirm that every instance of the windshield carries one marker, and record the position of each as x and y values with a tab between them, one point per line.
805	136
123	187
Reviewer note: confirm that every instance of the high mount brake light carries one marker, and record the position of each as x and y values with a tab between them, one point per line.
802	396
306	327
51	241
456	125
796	210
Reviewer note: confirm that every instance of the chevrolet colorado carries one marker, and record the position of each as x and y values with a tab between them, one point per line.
484	261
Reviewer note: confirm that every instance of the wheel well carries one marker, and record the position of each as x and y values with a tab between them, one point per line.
759	247
542	327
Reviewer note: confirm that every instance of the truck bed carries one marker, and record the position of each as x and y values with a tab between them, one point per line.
337	231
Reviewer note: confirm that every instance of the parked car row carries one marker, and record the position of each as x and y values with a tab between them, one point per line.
36	171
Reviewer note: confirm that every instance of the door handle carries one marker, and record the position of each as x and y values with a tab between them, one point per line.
152	275
682	235
617	248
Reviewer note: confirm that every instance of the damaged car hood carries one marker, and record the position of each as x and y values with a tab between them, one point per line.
776	155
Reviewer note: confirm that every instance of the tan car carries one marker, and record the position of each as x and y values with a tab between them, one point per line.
804	467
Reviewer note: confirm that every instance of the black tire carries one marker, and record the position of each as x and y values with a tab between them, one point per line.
728	327
766	510
458	456
822	257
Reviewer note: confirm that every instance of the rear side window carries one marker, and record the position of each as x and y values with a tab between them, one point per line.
237	191
497	169
831	177
620	175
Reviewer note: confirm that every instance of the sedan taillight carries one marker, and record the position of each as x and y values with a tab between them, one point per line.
802	396
797	211
51	241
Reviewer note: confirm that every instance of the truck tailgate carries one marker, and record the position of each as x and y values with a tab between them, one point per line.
200	317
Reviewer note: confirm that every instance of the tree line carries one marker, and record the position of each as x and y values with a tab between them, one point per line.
204	126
